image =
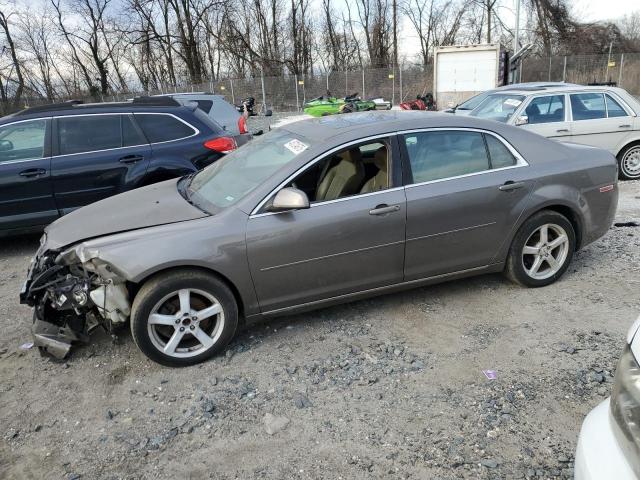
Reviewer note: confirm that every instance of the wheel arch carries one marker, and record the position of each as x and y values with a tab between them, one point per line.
627	144
134	286
566	211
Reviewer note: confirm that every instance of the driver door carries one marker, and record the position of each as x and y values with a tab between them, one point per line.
352	239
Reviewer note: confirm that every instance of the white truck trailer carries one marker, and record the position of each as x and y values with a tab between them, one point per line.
461	71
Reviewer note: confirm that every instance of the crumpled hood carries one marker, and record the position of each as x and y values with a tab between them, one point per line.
156	204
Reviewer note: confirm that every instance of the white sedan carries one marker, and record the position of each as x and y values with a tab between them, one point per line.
609	442
605	117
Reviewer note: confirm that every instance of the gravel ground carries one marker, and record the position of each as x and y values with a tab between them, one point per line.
390	387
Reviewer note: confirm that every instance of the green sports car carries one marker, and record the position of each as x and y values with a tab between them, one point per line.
321	106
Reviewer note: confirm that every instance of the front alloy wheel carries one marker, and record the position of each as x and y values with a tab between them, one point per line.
183	317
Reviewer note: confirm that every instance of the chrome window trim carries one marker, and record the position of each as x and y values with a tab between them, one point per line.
254	213
197	132
33	159
520	162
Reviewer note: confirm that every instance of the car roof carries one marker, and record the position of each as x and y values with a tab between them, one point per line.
354	126
139	104
561	89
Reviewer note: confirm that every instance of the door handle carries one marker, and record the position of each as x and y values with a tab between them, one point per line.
562	130
510	185
624	126
32	172
131	159
383	209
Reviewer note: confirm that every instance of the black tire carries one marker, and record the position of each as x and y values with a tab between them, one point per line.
623	166
515	267
170	283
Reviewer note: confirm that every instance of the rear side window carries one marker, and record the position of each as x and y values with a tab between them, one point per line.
162	127
500	155
614	109
87	133
446	154
588	106
130	134
22	140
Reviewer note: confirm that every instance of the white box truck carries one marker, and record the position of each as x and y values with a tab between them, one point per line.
461	71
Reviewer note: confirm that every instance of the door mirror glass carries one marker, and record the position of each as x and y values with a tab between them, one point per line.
6	145
289	199
522	120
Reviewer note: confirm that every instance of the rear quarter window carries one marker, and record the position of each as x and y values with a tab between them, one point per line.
161	127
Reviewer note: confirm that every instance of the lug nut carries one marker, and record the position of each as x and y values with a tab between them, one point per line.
178	321
192	327
182	329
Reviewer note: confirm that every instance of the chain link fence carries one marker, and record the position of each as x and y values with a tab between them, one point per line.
288	93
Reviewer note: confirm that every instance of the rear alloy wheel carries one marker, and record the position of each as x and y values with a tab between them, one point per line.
542	250
182	318
629	163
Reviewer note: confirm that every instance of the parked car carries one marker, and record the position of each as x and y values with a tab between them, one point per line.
56	158
220	111
315	213
605	117
609	441
465	107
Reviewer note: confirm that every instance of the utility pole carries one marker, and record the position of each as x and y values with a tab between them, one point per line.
395	33
516	36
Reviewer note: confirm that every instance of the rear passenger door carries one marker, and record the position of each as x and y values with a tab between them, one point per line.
96	156
26	195
177	146
599	120
547	115
465	190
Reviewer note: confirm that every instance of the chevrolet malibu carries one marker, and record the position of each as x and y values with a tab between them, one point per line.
315	213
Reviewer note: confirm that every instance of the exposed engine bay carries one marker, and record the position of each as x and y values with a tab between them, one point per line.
72	293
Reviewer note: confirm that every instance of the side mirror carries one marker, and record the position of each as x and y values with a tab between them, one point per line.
6	145
268	113
289	199
522	120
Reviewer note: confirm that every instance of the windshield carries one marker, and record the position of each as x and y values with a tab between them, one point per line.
241	171
473	102
499	107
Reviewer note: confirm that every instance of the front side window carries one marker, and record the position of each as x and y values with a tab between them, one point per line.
546	109
499	107
22	140
162	128
238	173
87	133
354	170
438	155
588	106
614	109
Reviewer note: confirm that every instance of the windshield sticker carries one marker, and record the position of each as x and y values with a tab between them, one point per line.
296	146
513	102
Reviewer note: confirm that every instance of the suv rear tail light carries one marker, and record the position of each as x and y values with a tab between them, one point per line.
221	144
242	124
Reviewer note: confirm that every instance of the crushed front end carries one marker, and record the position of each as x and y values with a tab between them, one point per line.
72	292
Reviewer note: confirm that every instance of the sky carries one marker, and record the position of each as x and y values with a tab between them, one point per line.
594	10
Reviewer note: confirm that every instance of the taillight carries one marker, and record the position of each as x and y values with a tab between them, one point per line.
242	124
221	144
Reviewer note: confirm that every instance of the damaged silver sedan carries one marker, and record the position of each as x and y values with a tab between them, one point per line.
317	213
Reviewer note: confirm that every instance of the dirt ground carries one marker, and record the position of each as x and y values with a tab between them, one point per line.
390	387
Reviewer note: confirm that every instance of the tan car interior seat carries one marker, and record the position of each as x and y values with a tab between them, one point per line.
381	179
344	178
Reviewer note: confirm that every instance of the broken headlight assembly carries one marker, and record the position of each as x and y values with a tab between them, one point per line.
625	407
73	292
